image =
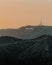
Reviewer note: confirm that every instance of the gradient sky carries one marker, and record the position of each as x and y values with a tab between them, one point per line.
17	13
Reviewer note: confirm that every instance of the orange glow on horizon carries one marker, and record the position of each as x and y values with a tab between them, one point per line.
14	14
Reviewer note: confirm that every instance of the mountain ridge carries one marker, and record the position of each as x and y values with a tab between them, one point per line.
27	32
27	51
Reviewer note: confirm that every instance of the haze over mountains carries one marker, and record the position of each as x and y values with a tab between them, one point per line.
27	32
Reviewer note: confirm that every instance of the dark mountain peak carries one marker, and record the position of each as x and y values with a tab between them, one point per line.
28	26
8	39
44	37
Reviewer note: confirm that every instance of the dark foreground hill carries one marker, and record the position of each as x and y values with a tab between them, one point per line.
24	52
8	39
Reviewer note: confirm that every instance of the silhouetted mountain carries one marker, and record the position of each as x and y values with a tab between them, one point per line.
27	51
8	39
27	32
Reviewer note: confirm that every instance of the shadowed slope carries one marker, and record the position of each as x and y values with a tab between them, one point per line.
27	51
8	39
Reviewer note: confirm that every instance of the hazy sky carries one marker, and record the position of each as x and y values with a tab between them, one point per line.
16	13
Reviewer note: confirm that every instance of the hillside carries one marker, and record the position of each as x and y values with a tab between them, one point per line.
8	39
27	32
27	51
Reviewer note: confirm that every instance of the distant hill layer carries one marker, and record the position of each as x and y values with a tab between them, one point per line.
27	32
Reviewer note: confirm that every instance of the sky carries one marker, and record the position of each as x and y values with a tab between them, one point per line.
17	13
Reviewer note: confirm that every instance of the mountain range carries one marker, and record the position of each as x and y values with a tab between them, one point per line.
27	32
29	51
